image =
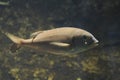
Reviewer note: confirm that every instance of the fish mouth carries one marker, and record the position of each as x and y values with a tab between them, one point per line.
96	43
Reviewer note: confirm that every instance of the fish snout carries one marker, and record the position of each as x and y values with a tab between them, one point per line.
95	40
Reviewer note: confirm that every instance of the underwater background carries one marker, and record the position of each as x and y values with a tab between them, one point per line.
22	17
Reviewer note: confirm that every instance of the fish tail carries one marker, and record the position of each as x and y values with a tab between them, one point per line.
13	38
14	47
17	41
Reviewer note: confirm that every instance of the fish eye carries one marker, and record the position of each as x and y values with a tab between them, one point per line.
85	39
86	42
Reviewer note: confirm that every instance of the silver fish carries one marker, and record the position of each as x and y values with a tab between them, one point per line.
60	41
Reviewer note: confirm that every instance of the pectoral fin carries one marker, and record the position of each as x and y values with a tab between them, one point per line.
60	44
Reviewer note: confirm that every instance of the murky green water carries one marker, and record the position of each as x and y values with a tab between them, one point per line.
22	17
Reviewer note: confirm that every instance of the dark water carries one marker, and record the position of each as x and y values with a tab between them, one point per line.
101	18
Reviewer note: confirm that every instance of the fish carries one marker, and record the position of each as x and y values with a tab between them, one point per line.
59	41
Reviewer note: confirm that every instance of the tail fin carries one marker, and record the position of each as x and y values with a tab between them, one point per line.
17	41
14	47
13	38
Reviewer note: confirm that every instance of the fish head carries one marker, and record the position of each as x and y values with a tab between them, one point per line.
89	39
84	41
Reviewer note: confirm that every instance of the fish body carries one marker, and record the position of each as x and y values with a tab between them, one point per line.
65	40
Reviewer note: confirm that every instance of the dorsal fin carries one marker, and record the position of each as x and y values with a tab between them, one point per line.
35	34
